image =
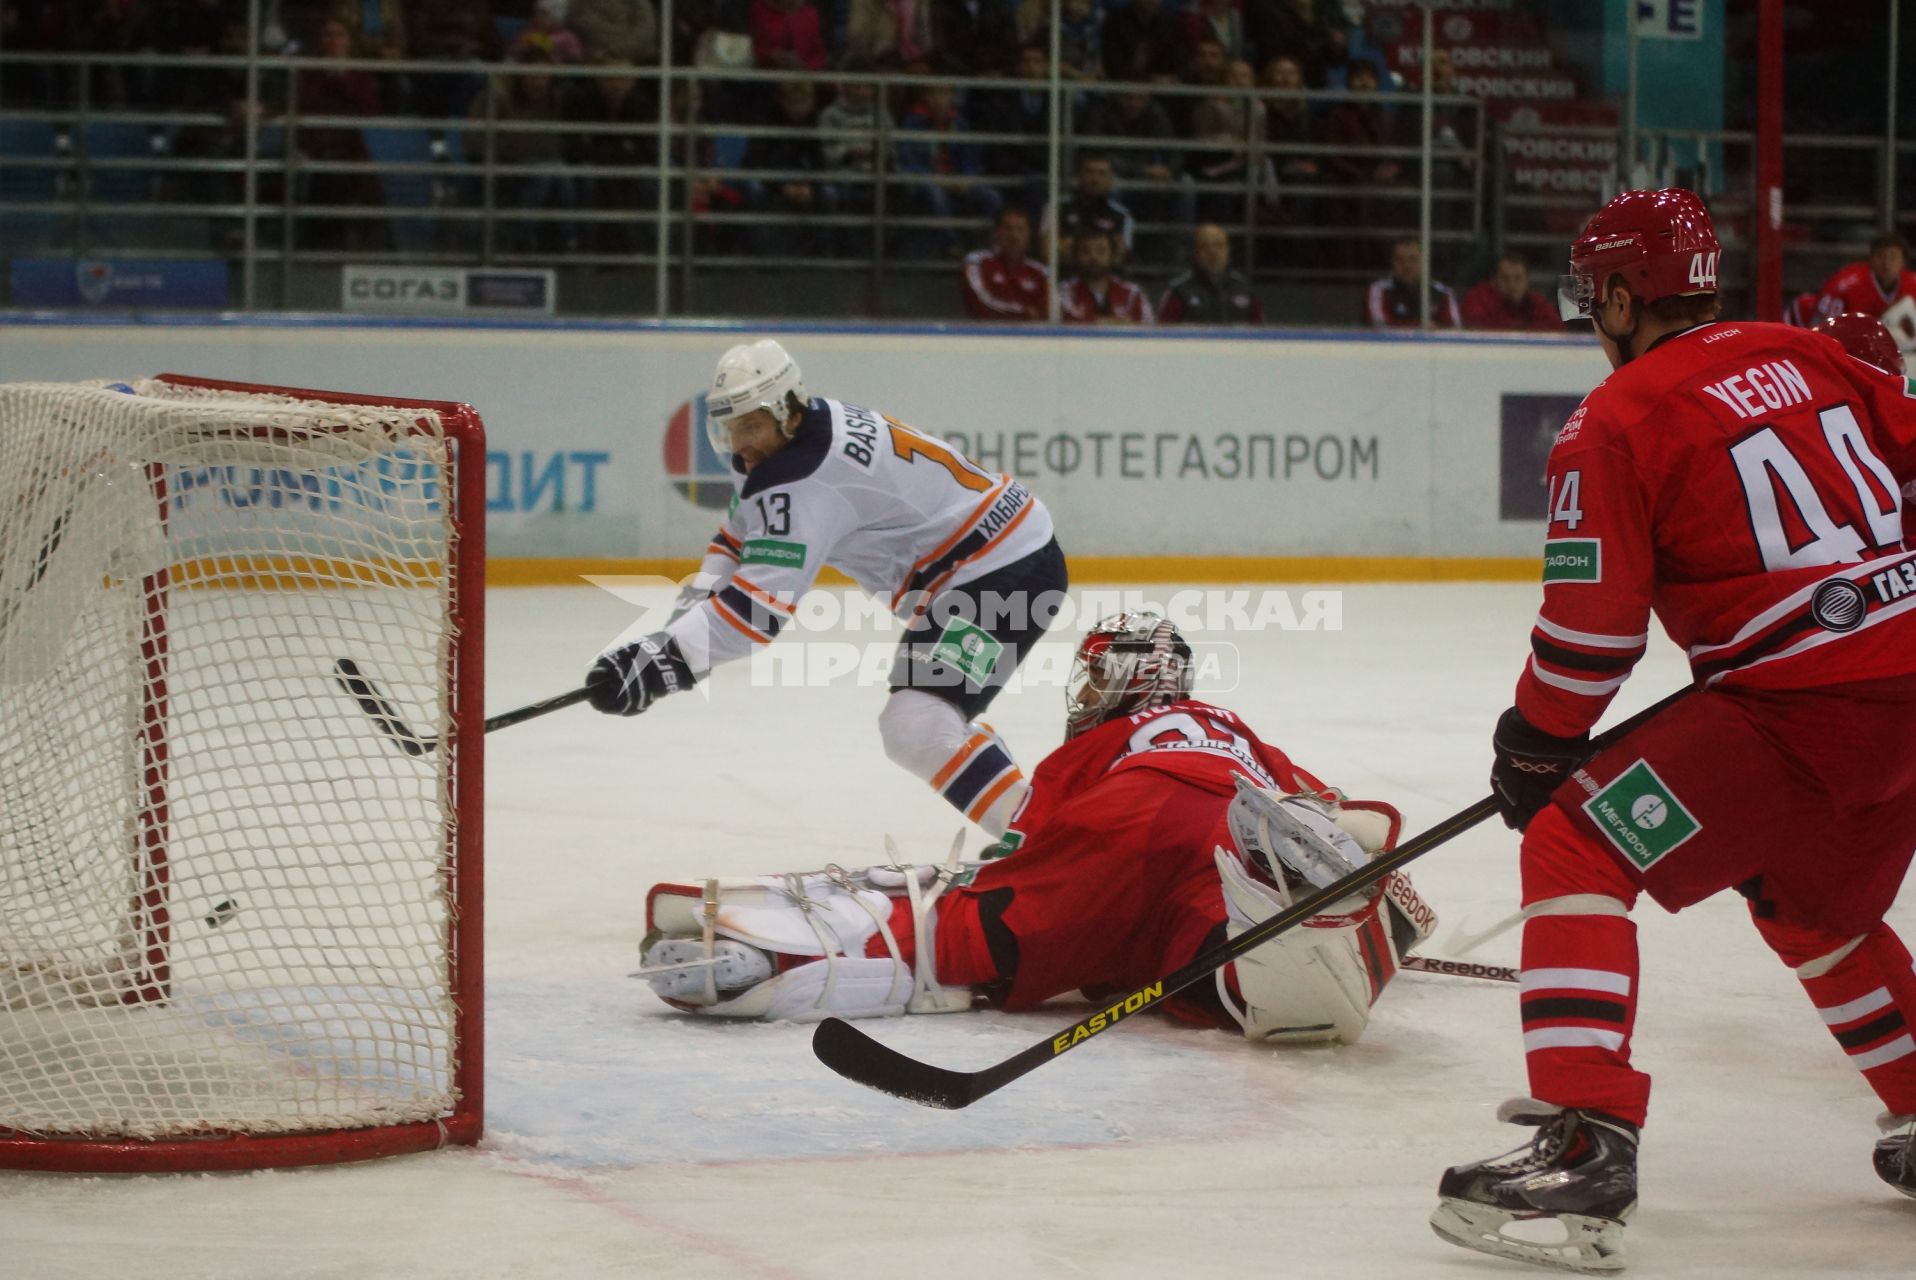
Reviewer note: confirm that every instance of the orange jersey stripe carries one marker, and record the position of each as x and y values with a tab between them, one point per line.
760	594
991	794
938	584
952	765
743	627
964	527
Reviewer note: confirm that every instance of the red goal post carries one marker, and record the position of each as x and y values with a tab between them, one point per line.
238	928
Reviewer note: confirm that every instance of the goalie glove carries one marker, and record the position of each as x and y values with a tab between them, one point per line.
627	680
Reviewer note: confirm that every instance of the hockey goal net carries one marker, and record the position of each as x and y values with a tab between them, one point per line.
239	927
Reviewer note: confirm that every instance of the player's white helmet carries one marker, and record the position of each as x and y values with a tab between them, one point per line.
752	375
1127	662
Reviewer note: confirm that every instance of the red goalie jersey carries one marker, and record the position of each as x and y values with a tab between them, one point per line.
1192	741
1743	481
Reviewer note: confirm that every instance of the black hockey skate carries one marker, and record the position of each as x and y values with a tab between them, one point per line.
1895	1154
1577	1180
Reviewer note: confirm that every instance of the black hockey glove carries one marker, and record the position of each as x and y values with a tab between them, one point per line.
631	678
1529	766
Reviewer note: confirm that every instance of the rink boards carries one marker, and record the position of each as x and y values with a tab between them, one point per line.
1204	456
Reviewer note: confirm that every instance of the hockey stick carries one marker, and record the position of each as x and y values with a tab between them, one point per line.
860	1058
1462	944
385	716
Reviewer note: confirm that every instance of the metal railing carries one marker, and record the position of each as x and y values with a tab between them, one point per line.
664	191
1833	203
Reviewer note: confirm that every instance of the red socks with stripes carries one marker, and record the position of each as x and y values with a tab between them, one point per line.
1865	991
1579	1006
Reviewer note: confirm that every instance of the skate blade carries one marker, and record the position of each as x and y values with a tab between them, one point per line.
1589	1246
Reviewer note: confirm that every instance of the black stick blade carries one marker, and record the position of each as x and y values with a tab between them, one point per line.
863	1060
379	708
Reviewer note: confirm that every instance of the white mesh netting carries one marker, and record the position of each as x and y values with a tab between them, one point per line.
224	896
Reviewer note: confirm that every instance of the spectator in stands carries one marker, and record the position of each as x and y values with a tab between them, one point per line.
547	31
187	28
1144	172
794	199
1143	41
787	36
1392	301
449	31
973	37
1080	39
1206	69
531	98
693	22
1225	131
1288	125
948	169
888	32
1020	168
616	31
378	27
322	92
1453	130
1871	287
725	44
1002	283
1211	292
614	99
1359	130
1091	204
1292	28
1135	117
1095	295
1217	20
848	128
1506	301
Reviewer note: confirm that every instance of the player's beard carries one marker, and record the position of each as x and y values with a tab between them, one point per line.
1625	341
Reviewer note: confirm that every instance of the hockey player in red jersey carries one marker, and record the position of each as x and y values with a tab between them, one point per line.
1864	337
1741	481
1879	286
1162	826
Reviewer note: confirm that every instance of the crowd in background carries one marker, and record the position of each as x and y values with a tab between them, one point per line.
1182	162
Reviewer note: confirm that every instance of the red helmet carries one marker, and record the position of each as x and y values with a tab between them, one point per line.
1660	242
1865	337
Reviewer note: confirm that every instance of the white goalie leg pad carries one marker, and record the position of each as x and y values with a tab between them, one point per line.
1312	984
719	947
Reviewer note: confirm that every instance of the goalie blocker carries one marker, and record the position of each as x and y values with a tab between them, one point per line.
870	943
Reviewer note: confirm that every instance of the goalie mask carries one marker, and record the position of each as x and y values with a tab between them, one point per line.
1128	662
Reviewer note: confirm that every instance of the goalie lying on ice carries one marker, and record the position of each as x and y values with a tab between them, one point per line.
1161	827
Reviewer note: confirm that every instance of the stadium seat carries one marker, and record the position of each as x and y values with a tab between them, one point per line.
112	179
406	190
37	140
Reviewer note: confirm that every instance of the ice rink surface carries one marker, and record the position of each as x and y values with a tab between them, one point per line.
625	1140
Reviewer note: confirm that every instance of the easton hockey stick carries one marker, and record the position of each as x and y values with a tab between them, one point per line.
385	716
860	1058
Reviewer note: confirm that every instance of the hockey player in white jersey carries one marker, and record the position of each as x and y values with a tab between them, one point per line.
965	556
